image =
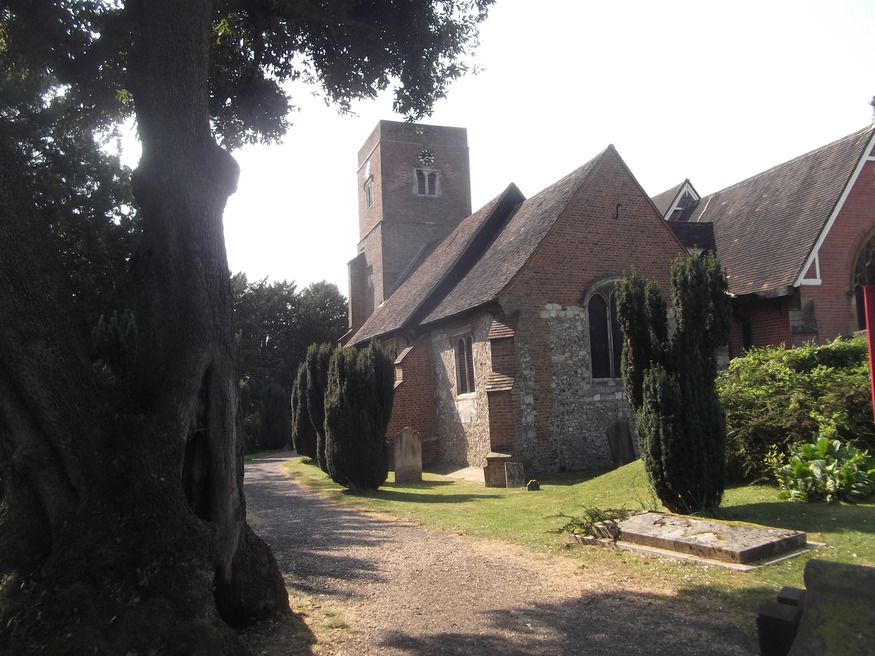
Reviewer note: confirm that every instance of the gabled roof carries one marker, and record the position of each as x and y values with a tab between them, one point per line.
677	199
767	226
440	269
477	261
694	235
513	246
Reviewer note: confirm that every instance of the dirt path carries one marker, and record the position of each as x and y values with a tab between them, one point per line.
404	590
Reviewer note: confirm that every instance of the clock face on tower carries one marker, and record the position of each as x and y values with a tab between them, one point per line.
426	157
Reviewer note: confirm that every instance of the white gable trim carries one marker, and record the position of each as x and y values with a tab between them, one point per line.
687	188
813	256
815	280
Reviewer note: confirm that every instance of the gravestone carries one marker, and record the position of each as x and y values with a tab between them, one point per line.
515	474
620	442
408	456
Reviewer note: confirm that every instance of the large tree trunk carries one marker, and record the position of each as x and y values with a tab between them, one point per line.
123	523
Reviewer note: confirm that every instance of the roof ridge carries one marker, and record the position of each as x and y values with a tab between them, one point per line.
810	153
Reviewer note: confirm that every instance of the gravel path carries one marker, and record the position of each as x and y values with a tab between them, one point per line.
404	590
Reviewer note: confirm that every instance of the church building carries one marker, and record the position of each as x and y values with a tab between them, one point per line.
503	321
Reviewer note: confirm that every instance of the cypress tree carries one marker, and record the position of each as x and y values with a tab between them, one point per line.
358	404
316	361
303	433
670	382
275	419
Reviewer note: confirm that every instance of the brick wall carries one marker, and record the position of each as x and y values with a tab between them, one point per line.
854	226
830	304
400	221
564	413
769	322
413	404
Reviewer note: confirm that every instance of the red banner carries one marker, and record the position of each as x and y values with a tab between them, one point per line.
869	296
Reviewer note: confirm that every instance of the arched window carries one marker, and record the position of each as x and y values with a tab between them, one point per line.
464	365
864	275
605	341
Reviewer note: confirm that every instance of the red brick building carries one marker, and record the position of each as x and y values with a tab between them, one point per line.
797	242
503	322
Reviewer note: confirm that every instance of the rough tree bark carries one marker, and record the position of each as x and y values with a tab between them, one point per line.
123	525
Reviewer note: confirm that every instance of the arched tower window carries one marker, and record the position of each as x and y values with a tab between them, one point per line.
864	275
605	341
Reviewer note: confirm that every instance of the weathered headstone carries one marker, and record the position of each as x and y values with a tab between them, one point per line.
620	442
408	456
515	474
533	485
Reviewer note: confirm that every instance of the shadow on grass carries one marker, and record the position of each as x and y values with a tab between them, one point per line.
568	478
808	517
417	497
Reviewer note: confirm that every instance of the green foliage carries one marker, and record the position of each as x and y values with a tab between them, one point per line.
358	404
275	326
317	363
308	403
827	470
275	418
776	398
670	384
642	316
303	435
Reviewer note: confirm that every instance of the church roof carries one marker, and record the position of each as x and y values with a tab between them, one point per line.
513	246
666	199
440	269
478	260
766	227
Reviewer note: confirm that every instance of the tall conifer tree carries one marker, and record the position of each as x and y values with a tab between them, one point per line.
670	380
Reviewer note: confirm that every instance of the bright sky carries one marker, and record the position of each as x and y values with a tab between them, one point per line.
710	91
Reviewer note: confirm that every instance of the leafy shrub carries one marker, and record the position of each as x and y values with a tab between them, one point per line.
595	522
827	470
775	398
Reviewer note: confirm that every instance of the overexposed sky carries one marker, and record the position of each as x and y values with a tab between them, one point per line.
699	89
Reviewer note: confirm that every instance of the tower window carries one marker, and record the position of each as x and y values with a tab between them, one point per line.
464	365
369	191
426	182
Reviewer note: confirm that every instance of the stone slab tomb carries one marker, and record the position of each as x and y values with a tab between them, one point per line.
725	541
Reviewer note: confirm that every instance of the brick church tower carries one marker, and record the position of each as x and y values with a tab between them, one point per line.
414	188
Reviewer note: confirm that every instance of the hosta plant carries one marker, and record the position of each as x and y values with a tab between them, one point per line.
827	470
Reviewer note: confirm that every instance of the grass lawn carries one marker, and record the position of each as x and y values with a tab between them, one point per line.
530	519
